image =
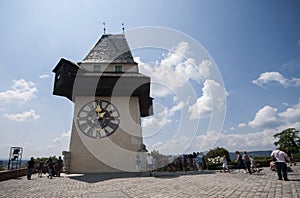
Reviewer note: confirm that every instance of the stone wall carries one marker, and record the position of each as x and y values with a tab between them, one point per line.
10	174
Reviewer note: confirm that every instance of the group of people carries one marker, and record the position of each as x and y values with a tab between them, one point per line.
50	167
246	162
278	163
194	162
149	166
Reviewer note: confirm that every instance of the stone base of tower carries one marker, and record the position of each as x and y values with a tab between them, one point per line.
81	160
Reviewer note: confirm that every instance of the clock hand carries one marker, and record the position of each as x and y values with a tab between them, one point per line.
98	109
101	115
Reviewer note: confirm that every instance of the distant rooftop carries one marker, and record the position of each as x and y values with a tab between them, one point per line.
110	49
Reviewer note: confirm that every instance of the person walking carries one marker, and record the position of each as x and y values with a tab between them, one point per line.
253	165
246	161
225	164
239	161
280	163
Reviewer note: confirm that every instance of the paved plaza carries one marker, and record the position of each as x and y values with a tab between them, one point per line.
179	184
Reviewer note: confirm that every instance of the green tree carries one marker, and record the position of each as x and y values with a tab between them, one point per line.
156	155
288	139
218	152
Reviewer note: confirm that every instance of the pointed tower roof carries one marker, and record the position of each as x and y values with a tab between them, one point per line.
110	49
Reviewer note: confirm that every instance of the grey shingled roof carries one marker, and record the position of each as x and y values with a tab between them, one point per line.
110	49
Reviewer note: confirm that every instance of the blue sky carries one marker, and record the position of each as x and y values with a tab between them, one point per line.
255	44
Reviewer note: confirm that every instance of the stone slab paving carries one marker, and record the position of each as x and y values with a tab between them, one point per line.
180	184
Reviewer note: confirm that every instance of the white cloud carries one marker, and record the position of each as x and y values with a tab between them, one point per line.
175	70
295	82
261	140
170	112
177	54
157	122
270	117
163	77
25	116
285	104
44	76
277	78
155	146
258	140
62	137
266	117
154	124
291	113
241	125
21	91
206	141
212	99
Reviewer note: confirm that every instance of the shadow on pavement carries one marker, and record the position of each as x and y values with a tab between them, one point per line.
98	177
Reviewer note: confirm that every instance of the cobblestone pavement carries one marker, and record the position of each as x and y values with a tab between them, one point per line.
180	184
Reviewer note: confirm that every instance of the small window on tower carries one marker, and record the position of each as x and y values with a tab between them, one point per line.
97	68
58	76
118	68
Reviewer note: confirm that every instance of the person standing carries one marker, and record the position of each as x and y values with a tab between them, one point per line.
30	166
289	156
280	163
199	161
59	165
40	168
149	164
50	166
138	164
171	164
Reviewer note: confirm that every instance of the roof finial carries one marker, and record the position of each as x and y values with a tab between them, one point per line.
123	27
104	29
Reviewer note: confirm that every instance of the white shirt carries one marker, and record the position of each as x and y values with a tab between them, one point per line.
149	159
279	155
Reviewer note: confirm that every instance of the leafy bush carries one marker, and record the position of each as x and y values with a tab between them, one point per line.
218	152
214	160
296	154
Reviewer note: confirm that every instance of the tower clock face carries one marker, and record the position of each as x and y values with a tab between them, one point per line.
98	119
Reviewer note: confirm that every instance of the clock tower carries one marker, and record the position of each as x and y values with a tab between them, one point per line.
110	97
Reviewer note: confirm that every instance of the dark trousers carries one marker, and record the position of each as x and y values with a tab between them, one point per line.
247	165
58	168
29	173
281	167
